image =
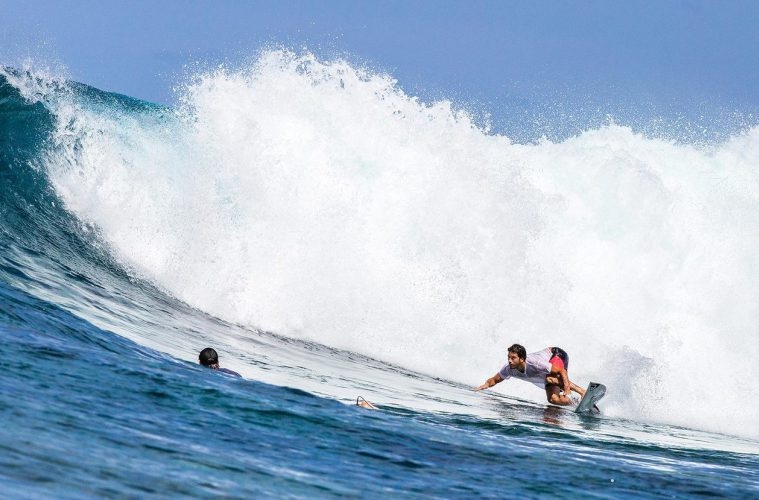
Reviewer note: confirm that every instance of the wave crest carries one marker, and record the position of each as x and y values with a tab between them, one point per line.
318	200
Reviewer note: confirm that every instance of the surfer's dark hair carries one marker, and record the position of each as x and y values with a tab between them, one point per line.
208	357
519	350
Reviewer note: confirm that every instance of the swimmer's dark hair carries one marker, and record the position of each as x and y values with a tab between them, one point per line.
208	357
518	350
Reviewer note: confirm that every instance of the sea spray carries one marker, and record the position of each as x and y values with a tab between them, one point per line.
318	200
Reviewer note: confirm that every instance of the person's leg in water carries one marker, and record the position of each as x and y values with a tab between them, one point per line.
360	401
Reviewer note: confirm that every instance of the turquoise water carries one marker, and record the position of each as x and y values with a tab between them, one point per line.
101	395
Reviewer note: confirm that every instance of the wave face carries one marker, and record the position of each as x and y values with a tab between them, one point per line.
319	201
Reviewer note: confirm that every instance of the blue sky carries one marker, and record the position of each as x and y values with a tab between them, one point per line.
570	57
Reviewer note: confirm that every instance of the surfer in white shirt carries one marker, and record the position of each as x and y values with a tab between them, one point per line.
546	368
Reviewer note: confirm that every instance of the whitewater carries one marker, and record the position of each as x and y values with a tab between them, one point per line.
328	232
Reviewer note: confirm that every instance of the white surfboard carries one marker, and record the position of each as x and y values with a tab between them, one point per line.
593	395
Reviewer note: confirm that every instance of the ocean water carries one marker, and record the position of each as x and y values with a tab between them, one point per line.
332	236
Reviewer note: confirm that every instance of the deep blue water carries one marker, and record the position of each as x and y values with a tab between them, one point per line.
87	412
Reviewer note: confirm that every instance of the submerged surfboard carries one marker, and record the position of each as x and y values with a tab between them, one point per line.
593	394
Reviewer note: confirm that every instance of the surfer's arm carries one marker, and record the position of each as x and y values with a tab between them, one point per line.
564	376
490	382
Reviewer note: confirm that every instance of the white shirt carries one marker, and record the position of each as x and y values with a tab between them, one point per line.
535	370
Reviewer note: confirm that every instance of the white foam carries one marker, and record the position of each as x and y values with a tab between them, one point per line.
319	201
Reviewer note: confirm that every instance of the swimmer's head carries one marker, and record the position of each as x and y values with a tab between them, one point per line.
209	358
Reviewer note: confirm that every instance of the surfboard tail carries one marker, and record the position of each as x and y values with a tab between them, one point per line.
593	395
